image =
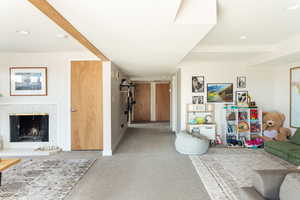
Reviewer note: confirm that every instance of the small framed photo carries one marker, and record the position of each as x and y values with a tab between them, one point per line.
198	100
198	84
28	81
241	82
241	98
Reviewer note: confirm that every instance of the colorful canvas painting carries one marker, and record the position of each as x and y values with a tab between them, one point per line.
219	92
295	97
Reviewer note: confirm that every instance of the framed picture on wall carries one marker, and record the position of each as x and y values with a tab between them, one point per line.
198	84
295	97
241	82
28	81
198	99
219	93
241	98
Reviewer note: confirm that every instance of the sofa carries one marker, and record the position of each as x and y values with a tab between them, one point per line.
273	185
287	150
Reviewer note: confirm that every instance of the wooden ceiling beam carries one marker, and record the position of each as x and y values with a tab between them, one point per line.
55	16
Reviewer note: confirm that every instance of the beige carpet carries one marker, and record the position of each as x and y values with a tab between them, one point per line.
145	167
224	171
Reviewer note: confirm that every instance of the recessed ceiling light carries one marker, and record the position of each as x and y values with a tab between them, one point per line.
23	32
62	36
243	37
294	7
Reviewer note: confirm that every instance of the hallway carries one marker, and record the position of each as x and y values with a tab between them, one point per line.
145	167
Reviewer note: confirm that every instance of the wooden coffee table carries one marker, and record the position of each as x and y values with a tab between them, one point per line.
7	163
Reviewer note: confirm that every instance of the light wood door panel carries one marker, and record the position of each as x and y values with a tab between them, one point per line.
87	108
142	106
162	101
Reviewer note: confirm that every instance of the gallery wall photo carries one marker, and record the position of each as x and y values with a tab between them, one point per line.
198	84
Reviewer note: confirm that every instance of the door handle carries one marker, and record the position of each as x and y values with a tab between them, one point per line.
73	110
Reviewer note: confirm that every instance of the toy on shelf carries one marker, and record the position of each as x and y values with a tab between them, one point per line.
231	116
255	127
242	124
201	120
252	103
254	114
243	115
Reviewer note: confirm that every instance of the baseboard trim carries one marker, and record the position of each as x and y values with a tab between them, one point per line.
107	153
116	144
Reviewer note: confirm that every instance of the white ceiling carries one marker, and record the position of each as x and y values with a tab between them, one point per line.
16	15
143	37
264	22
267	24
140	36
150	37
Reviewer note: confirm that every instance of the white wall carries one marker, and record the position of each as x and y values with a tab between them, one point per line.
259	84
107	109
174	103
114	106
178	100
152	101
118	107
59	84
282	89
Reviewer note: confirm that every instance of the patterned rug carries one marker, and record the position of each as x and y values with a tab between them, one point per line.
224	170
42	179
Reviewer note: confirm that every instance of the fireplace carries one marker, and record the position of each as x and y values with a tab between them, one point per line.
29	128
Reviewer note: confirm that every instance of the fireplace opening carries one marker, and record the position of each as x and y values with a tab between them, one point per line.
29	128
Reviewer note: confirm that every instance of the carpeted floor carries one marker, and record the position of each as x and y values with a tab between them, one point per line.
145	167
225	170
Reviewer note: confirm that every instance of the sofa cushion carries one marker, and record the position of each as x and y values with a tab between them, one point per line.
290	188
296	137
285	147
268	182
295	153
249	193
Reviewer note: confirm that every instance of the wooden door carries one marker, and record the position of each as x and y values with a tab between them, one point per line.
87	111
162	102
141	110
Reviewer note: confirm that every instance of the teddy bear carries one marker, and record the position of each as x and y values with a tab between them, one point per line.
273	127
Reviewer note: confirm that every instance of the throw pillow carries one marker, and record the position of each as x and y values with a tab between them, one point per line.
296	137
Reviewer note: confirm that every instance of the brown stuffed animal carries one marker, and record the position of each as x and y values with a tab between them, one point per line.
273	127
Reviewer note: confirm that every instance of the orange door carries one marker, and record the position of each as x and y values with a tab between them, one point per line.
162	102
86	100
142	94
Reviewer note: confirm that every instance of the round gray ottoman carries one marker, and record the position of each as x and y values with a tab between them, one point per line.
191	145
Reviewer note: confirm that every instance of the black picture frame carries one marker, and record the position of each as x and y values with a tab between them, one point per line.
238	98
198	84
241	82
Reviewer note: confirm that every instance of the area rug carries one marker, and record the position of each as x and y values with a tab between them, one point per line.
224	171
42	179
